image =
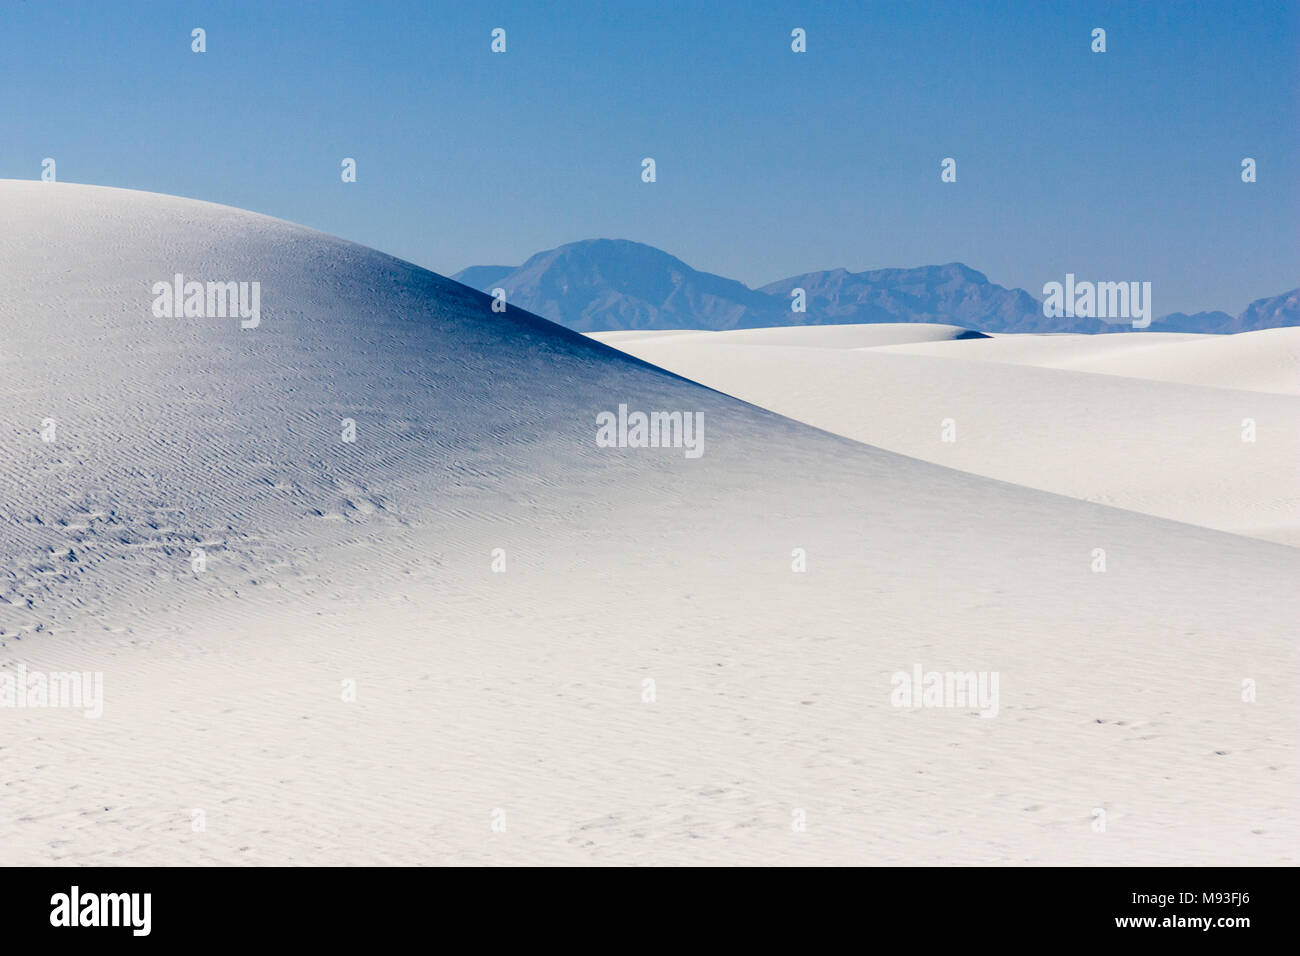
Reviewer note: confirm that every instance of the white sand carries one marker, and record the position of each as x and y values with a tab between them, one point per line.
523	691
809	336
1146	444
1263	361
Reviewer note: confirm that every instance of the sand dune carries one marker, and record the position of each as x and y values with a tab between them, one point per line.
1159	447
808	336
647	681
1264	361
1056	350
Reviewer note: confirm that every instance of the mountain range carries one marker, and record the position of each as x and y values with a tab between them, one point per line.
600	285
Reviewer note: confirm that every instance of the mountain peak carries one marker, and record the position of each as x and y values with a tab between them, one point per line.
595	285
605	284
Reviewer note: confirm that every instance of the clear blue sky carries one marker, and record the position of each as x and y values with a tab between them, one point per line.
1116	166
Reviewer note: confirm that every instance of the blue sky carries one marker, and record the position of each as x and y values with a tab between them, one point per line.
1116	166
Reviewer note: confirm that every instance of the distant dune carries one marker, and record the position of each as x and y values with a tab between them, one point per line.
1166	438
304	642
1263	361
808	336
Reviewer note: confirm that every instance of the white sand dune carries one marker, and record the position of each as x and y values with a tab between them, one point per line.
1050	350
1267	360
809	336
1263	361
522	696
1159	447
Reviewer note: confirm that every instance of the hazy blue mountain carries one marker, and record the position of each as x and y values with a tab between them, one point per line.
1273	312
1269	313
1197	322
954	293
606	284
480	277
602	284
